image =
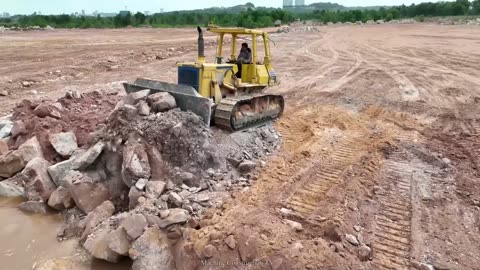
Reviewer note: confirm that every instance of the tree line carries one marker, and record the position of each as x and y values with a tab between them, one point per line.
250	18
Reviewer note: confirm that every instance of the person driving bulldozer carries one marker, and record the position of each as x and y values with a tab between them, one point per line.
244	57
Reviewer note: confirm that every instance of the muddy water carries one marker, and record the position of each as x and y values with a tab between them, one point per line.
26	240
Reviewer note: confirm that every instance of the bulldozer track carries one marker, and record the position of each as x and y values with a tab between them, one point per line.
304	201
392	244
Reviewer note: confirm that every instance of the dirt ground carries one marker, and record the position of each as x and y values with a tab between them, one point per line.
380	138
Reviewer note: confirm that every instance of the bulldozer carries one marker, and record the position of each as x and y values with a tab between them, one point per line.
214	92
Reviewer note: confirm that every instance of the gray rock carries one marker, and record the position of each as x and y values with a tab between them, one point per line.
156	188
135	163
364	253
286	211
164	213
141	183
133	196
30	149
73	94
151	251
131	111
134	226
118	241
134	98
61	199
294	225
34	207
189	179
88	196
64	144
446	160
246	166
97	245
209	251
175	199
6	129
85	159
177	215
200	197
9	188
38	184
161	102
357	228
352	239
59	171
97	216
143	108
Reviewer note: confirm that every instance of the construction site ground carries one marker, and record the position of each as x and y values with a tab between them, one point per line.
379	137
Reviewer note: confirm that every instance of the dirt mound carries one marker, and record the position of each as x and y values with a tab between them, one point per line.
81	115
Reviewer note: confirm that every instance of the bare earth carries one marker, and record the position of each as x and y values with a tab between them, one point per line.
380	137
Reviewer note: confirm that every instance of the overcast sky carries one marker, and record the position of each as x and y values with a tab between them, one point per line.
70	6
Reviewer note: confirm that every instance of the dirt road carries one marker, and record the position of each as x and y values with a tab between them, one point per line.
380	137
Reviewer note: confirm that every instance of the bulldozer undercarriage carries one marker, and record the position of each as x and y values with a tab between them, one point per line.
237	113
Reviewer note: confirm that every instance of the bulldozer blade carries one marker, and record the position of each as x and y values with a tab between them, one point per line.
187	97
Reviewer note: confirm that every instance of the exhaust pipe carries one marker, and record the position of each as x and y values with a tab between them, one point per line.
201	46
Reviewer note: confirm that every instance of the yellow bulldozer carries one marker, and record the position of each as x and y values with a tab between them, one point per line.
217	91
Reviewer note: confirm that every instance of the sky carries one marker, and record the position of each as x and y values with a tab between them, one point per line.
71	6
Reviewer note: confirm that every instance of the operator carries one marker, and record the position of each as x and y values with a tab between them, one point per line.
244	57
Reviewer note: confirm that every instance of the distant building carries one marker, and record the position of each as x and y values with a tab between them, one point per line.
5	15
299	3
287	3
124	13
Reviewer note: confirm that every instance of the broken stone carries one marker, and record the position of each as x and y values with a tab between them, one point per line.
118	241
294	225
247	249
134	98
352	239
297	247
161	102
64	144
97	216
38	184
246	166
34	207
44	110
175	199
176	215
143	108
85	159
3	147
26	84
446	160
11	163
150	251
88	196
97	245
19	129
157	165
286	211
134	226
230	241
131	111
59	171
175	234
141	183
60	199
200	197
6	129
30	150
73	94
184	194
364	253
209	251
133	196
357	228
155	188
189	179
135	163
9	188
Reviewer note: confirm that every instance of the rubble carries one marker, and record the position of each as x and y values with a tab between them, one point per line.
61	199
38	184
10	188
134	226
5	128
161	102
150	251
352	239
88	196
175	216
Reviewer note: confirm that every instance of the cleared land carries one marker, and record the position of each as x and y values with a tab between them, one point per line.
380	136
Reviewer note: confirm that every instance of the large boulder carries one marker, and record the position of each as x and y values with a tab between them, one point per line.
11	163
118	241
65	144
97	216
155	189
38	184
176	215
61	199
59	171
151	251
34	207
10	188
85	159
161	102
135	163
88	196
97	245
30	149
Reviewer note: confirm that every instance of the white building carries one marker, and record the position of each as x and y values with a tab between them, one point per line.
287	3
299	3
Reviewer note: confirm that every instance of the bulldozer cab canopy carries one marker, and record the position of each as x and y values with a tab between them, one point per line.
235	32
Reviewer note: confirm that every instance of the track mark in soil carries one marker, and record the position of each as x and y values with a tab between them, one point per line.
392	242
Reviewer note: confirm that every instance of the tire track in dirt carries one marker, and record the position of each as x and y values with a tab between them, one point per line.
392	242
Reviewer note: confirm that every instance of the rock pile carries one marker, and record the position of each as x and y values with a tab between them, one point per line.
128	186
